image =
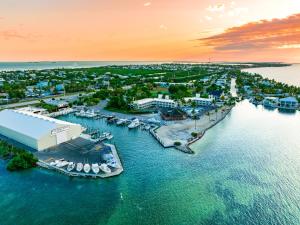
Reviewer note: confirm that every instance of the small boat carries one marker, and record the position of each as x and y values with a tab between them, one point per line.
53	164
79	167
95	168
106	135
135	123
121	122
62	164
147	127
87	168
105	168
71	166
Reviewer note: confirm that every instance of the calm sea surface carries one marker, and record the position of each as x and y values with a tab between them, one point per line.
246	170
12	66
288	74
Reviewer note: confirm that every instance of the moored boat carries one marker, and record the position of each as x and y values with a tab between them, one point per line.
86	168
71	166
95	168
135	123
105	168
79	167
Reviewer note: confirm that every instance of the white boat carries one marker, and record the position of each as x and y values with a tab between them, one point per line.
79	167
61	164
71	166
147	127
113	164
121	122
86	114
135	123
95	168
106	135
105	168
87	168
53	164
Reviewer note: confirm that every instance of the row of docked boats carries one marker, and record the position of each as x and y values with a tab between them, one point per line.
86	114
80	167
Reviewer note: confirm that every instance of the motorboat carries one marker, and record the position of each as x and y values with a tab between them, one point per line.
86	168
147	127
71	166
121	122
106	135
61	164
95	168
86	114
53	163
105	168
135	123
79	167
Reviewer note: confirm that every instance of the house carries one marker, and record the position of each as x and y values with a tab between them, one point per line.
36	131
288	103
271	102
172	114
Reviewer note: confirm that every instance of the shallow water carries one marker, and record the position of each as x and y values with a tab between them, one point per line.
246	170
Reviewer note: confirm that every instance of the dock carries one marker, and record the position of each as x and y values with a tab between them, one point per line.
116	171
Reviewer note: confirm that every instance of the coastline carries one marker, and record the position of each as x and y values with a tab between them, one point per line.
181	130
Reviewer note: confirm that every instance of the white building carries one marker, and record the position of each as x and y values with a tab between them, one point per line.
288	103
200	101
36	131
154	102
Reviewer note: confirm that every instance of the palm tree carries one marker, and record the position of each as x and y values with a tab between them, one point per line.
194	113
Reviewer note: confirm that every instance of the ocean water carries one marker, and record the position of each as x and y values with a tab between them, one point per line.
13	66
287	74
246	170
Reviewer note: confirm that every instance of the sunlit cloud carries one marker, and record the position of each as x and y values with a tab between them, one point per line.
216	8
163	27
264	34
12	34
289	46
147	4
208	18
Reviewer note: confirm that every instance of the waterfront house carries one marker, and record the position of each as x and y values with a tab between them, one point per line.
271	102
288	103
36	131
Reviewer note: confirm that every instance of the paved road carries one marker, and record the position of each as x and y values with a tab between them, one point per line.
33	102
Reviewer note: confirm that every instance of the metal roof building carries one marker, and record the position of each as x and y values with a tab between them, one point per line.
36	131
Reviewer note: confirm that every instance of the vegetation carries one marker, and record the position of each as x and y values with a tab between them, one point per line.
177	143
18	159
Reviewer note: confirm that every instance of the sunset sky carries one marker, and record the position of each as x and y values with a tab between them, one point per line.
199	30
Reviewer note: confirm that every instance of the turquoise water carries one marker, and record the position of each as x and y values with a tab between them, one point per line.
246	170
287	74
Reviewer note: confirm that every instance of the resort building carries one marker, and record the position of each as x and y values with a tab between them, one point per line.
154	103
288	103
200	101
36	131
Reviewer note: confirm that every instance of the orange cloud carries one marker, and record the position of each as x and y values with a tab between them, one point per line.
265	34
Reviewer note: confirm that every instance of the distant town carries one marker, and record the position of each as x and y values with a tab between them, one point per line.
176	103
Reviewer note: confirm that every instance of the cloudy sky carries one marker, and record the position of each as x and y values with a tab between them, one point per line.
200	30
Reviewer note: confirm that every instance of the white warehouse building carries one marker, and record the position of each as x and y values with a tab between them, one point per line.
36	131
